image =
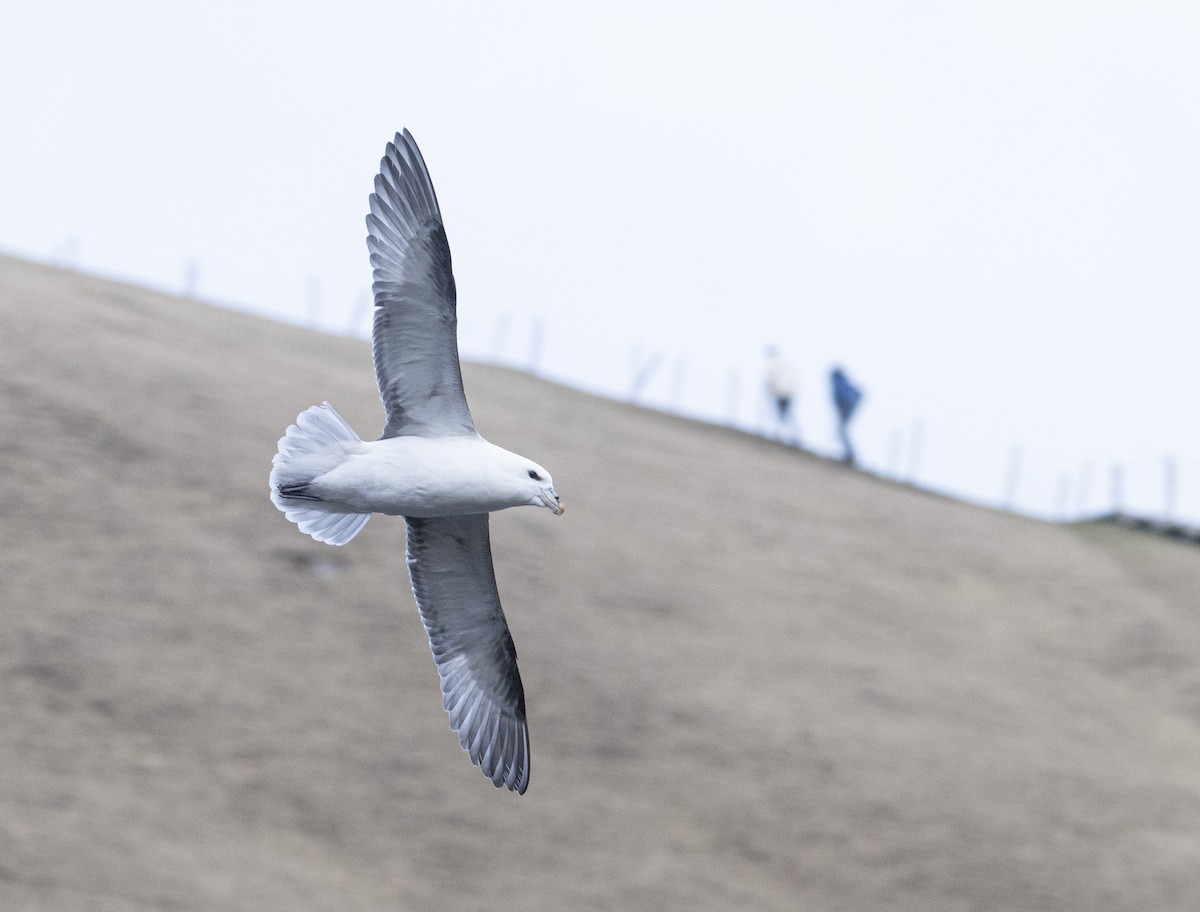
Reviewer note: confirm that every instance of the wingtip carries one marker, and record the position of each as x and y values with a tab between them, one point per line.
403	186
510	768
402	146
501	754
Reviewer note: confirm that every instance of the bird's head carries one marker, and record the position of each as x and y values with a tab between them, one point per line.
541	488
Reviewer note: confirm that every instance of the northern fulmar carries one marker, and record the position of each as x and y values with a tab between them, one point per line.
430	466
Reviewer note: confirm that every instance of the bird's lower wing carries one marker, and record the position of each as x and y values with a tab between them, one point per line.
450	564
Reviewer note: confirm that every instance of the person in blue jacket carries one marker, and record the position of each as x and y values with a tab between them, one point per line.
846	397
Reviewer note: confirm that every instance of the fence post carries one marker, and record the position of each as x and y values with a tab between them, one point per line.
1013	478
499	337
1169	485
734	397
677	378
642	372
914	450
1083	494
1064	494
537	335
191	279
895	449
314	302
359	315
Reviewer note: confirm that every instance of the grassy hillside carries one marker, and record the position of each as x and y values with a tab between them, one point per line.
756	680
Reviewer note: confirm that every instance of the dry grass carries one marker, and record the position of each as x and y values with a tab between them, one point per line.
756	680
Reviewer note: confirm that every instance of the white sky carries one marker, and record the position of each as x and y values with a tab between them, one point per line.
989	213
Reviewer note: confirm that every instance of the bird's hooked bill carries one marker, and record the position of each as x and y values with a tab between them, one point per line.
550	499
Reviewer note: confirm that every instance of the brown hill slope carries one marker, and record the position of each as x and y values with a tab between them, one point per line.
756	680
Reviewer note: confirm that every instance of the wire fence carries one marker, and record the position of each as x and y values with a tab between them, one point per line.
1159	489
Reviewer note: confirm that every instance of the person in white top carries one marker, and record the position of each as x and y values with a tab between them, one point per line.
781	389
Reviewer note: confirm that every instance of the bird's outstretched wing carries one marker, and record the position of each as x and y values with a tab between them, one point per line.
450	564
415	335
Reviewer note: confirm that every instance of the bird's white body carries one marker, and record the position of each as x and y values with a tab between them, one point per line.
329	481
419	476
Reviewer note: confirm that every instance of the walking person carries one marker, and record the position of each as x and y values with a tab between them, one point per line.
781	389
846	398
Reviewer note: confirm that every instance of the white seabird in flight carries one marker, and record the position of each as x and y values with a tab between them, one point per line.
430	466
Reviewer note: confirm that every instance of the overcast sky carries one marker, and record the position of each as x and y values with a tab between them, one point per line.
988	213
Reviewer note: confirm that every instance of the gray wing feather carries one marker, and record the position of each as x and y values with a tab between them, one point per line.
450	564
415	334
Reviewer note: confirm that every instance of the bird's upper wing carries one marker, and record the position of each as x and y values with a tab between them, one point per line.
450	563
415	339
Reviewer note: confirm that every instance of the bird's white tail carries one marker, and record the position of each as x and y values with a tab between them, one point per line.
299	461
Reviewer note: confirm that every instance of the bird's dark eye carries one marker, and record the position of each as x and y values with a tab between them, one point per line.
534	475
